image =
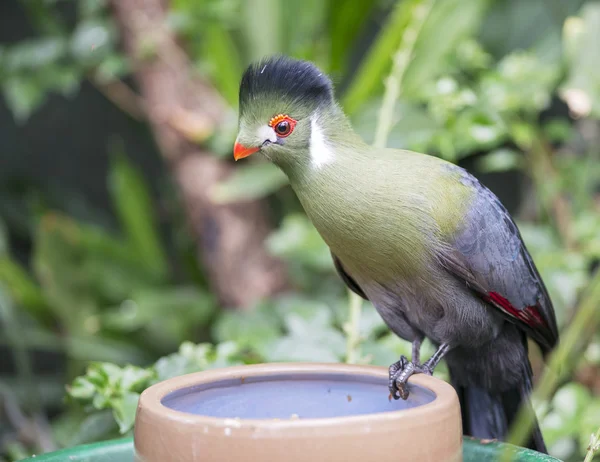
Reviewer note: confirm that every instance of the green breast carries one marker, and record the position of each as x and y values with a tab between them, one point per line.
384	216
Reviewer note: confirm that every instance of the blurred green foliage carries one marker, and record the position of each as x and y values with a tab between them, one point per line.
506	85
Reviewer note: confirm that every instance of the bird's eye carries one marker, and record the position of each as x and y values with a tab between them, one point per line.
283	128
283	125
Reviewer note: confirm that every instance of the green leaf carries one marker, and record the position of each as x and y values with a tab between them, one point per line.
113	279
34	54
91	8
95	427
303	30
136	378
107	386
104	374
111	68
188	304
193	358
522	81
22	288
542	35
398	346
563	448
560	435
189	358
57	262
449	23
23	96
253	329
570	400
346	20
563	422
581	90
371	324
65	80
223	60
124	409
252	181
225	354
304	307
167	315
413	127
133	204
92	40
47	390
373	67
500	160
558	130
97	348
308	340
16	450
377	353
298	240
588	423
82	389
82	348
266	40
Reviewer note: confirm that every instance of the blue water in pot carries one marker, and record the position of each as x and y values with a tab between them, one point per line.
294	395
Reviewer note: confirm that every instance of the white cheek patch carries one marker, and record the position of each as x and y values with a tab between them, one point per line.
320	153
265	132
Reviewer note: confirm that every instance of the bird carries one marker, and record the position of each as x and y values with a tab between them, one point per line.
432	248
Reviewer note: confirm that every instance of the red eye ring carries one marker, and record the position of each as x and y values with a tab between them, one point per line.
282	124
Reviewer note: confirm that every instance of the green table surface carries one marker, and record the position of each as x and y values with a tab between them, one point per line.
122	451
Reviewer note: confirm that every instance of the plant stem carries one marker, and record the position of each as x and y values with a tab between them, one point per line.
545	177
19	350
593	447
122	96
353	355
40	434
563	359
401	60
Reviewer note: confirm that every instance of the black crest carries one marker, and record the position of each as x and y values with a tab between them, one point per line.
283	77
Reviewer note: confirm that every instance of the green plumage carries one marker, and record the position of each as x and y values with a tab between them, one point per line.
376	212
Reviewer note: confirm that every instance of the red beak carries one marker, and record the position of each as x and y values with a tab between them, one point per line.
240	151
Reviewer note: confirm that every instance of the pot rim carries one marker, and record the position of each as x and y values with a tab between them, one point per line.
151	399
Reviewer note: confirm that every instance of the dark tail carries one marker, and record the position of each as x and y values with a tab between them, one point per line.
490	416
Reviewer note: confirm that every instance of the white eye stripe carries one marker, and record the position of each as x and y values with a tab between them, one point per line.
320	153
265	132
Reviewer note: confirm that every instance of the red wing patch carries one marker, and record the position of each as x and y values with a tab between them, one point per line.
529	315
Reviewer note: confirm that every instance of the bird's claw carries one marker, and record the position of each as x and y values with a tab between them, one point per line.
394	370
400	372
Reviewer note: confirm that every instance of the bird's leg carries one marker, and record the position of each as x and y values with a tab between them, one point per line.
399	365
416	350
399	376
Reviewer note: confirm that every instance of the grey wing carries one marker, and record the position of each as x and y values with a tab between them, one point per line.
489	255
351	283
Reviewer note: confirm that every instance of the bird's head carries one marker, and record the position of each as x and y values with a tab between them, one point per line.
281	102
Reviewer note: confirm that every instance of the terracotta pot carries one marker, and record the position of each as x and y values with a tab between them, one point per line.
297	413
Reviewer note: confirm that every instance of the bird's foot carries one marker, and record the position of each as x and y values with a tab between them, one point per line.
400	372
394	370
